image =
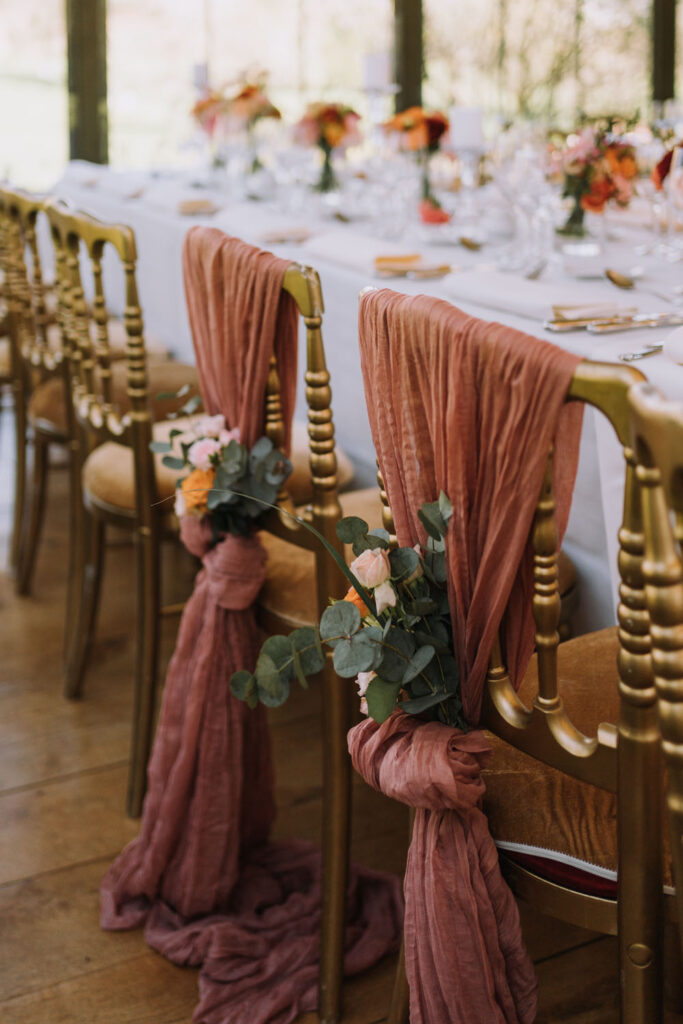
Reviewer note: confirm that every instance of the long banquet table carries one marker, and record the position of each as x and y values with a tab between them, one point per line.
344	255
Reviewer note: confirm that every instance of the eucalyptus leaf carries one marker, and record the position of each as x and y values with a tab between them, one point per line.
273	684
298	670
173	462
432	520
419	704
351	528
165	396
423	606
357	654
259	451
404	562
367	543
397	650
160	447
191	406
422	638
341	619
419	661
382	534
239	681
306	642
445	507
381	697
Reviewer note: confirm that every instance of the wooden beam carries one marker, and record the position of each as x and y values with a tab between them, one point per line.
663	50
408	52
86	25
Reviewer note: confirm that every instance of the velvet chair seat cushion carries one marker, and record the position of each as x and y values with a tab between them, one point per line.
108	473
290	587
47	407
530	804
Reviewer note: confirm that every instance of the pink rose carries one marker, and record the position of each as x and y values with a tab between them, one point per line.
385	596
201	451
226	436
363	681
211	426
371	567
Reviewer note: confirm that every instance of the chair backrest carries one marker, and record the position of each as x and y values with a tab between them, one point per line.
657	438
80	240
303	284
33	357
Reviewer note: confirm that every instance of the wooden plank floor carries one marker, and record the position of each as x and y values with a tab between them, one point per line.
62	783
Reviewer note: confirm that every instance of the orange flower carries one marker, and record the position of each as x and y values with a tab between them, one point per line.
595	200
621	161
353	597
418	128
196	487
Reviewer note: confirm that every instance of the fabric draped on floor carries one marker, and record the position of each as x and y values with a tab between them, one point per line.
202	877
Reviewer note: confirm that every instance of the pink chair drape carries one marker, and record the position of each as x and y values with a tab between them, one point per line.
471	408
201	876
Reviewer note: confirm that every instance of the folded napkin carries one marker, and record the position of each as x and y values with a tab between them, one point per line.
536	300
672	346
349	249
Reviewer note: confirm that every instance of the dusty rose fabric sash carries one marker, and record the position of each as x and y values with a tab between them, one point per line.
471	408
201	877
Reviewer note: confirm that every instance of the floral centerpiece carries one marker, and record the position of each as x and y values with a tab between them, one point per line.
329	126
249	105
392	631
596	168
227	484
420	132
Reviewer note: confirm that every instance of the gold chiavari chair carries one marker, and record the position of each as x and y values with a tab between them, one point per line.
115	480
36	371
301	578
572	792
657	432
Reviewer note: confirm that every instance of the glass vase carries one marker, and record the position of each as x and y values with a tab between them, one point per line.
328	179
574	226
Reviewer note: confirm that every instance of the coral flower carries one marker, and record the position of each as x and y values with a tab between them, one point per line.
195	488
353	597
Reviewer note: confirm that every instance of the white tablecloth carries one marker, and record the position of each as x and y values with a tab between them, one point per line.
343	256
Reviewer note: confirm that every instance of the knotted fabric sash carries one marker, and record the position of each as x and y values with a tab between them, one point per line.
471	408
201	876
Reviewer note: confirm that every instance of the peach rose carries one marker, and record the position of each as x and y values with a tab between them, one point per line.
372	567
385	596
201	451
353	597
195	488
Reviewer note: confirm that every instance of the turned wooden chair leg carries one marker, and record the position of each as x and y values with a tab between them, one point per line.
77	555
336	841
400	998
19	476
84	615
149	610
31	536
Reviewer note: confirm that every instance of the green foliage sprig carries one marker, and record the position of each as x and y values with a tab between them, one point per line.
395	636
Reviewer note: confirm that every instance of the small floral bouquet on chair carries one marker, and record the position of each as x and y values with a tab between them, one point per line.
227	483
329	126
421	132
392	630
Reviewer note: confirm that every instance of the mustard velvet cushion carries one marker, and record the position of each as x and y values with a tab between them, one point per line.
47	406
108	475
528	802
